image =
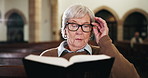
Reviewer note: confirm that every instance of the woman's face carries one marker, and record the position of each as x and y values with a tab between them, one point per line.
78	39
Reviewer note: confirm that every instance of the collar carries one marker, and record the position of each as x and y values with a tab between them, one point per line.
61	48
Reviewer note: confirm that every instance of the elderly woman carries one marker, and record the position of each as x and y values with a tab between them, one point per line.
78	24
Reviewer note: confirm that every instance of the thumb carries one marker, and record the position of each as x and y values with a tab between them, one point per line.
97	34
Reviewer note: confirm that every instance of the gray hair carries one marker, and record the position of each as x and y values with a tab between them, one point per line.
75	11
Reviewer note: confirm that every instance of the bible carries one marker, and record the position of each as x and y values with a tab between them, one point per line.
78	66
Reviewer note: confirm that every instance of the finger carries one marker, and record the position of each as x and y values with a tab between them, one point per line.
103	22
97	22
96	33
100	21
96	25
95	29
98	28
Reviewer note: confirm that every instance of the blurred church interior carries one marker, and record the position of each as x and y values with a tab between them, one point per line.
32	26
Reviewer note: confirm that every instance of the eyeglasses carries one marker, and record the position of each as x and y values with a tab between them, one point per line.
75	27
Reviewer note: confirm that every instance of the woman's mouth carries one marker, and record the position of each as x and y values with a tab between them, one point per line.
78	39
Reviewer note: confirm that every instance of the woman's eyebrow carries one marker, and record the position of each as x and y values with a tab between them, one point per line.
86	22
72	21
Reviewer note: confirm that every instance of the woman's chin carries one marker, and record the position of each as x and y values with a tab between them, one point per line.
79	45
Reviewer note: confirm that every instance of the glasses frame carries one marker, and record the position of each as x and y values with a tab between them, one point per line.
79	26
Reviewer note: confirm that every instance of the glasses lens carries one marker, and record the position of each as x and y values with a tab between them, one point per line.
87	28
73	27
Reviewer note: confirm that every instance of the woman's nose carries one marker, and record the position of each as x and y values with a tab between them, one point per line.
79	31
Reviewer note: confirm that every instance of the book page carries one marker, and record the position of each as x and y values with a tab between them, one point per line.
58	61
84	58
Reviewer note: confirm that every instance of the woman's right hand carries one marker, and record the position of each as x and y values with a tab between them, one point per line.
100	28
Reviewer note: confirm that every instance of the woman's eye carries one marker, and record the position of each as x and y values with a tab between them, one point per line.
74	25
86	26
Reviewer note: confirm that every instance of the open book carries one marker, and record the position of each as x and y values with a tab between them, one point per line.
78	66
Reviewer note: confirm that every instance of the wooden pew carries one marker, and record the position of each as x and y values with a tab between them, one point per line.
11	65
31	47
14	58
28	47
138	54
124	48
12	71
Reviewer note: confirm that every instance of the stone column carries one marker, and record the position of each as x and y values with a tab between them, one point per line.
120	31
54	19
34	20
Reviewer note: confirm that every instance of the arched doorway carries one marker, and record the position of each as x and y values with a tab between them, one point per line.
111	22
15	28
135	22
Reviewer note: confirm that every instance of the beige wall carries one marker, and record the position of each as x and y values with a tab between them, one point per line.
118	7
23	6
46	23
7	5
2	27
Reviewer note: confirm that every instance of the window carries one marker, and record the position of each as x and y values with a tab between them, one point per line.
15	28
135	22
111	21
